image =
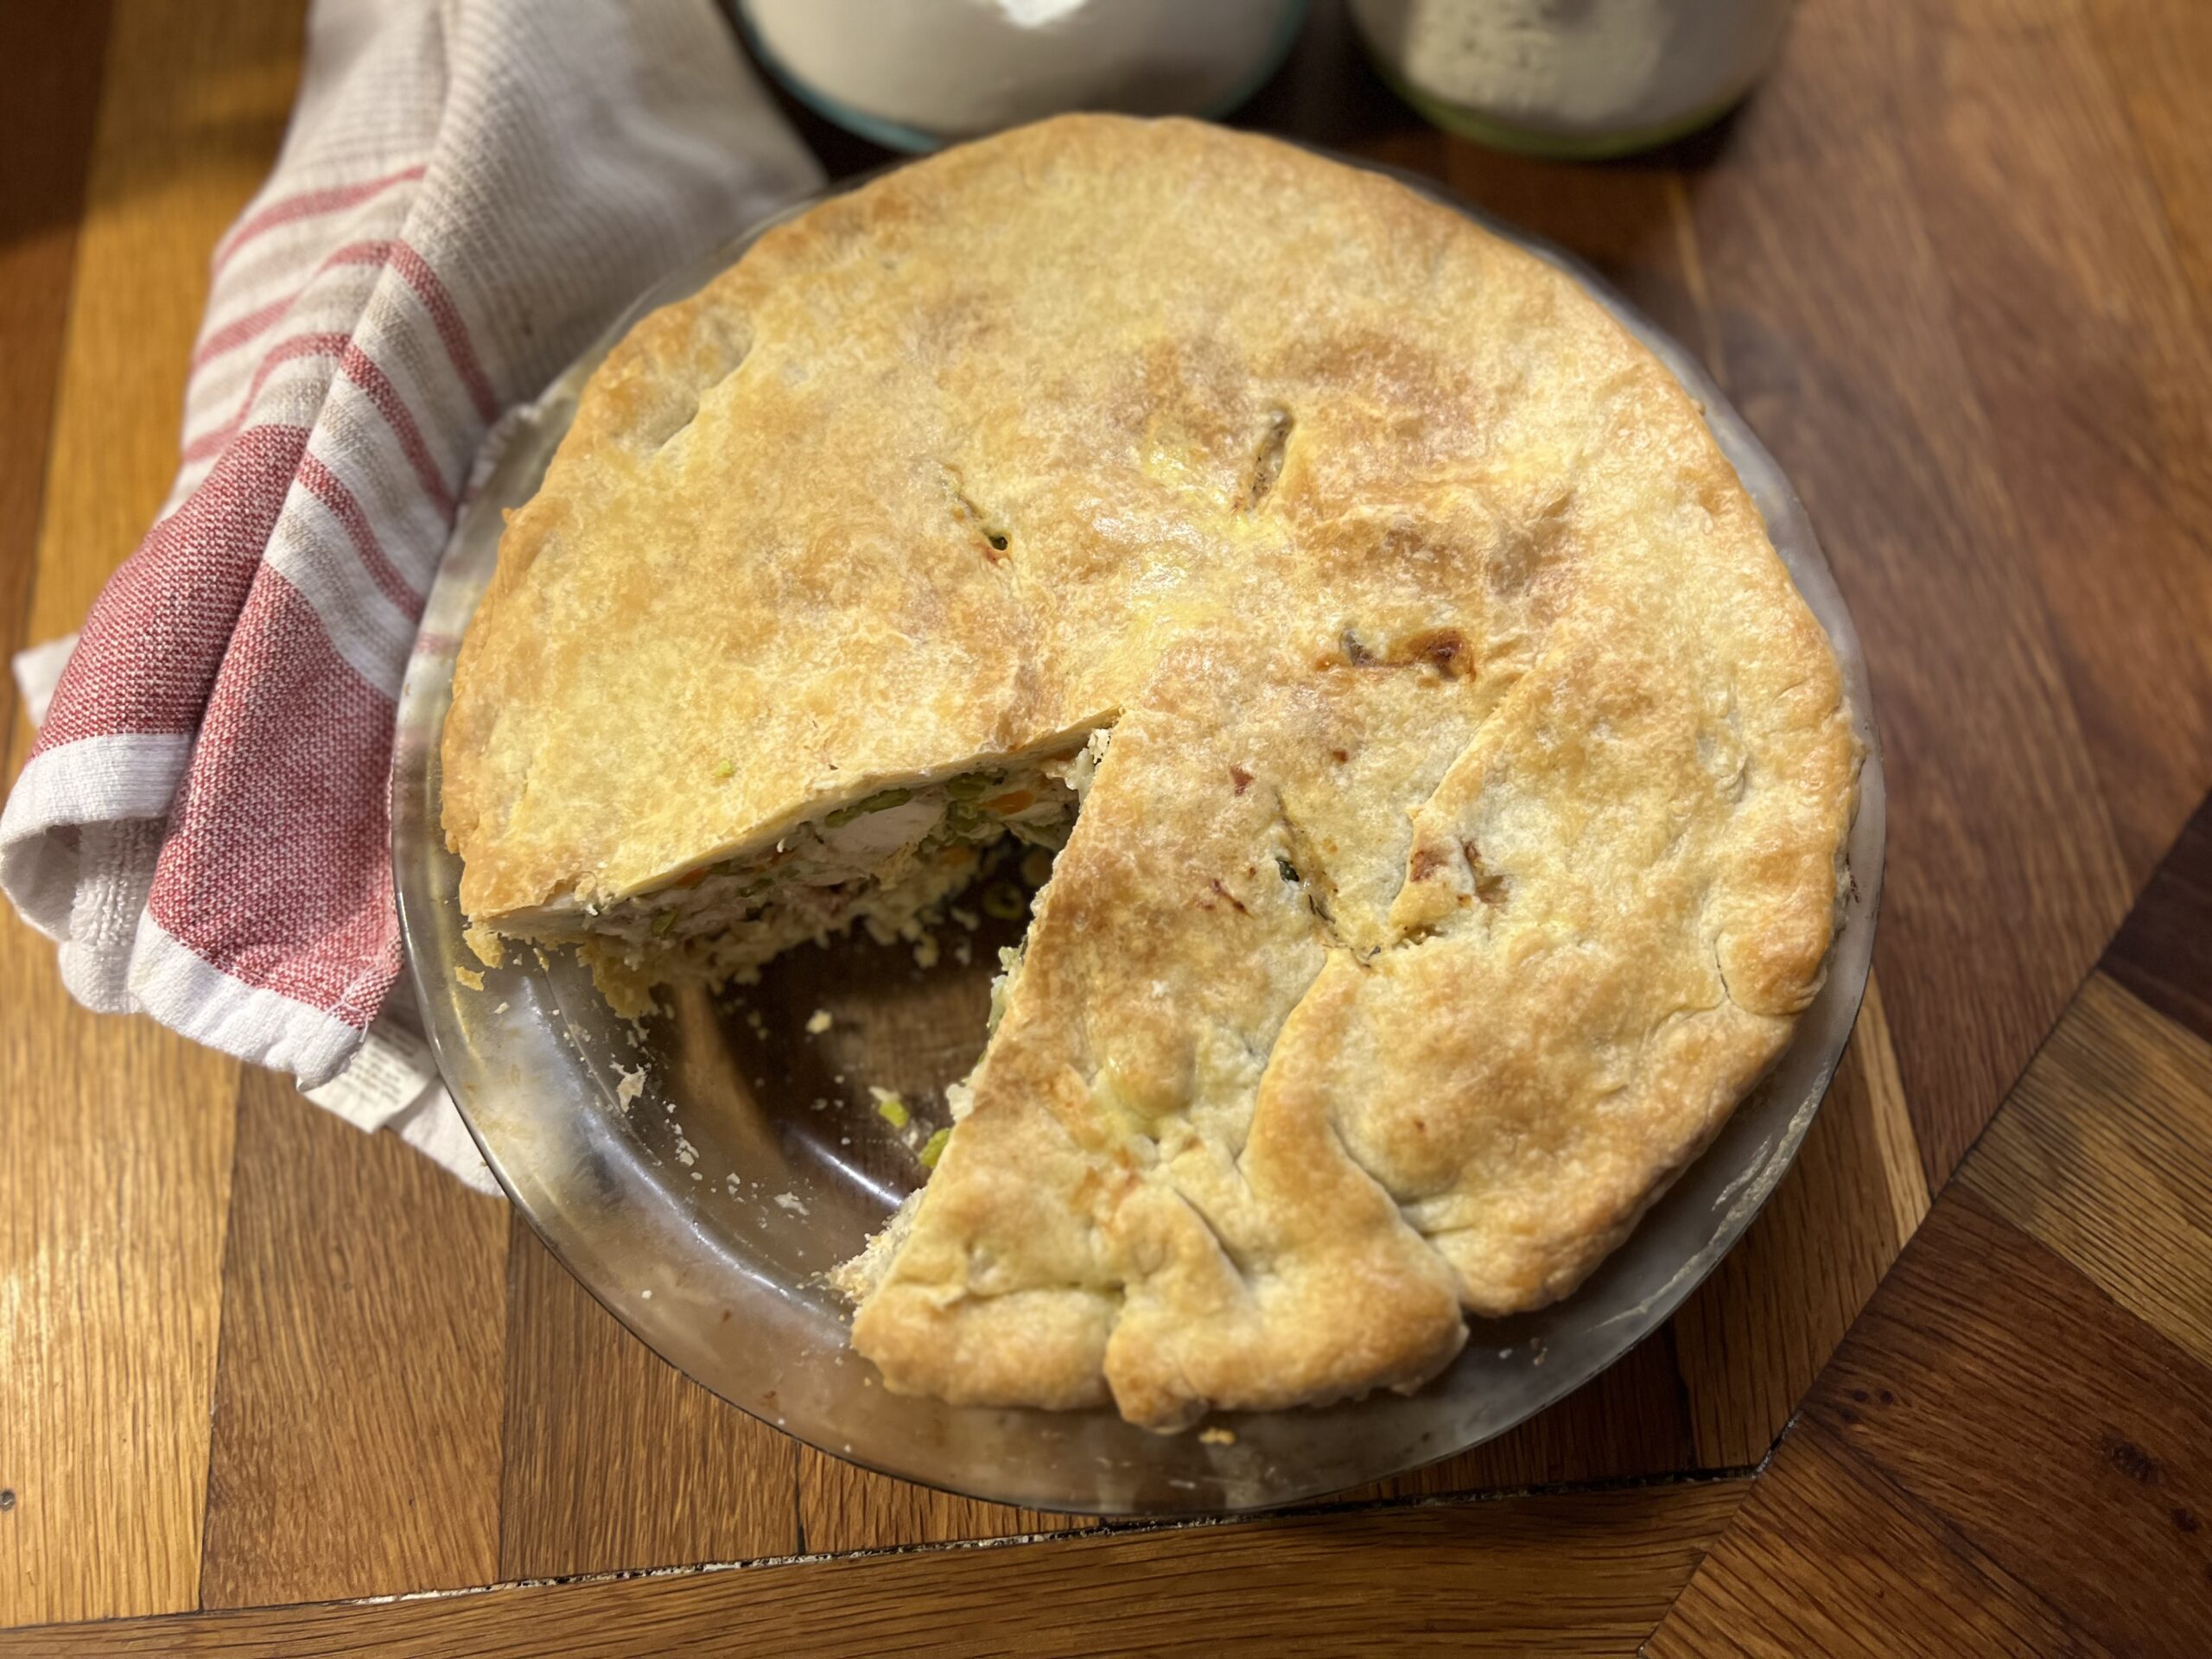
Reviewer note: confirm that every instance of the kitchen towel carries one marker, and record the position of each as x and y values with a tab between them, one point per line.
469	190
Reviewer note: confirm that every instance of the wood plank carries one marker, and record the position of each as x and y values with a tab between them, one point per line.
1999	1388
2071	1441
113	1223
844	1507
1825	1558
117	1173
614	1458
2160	52
2164	953
356	1414
2004	875
46	131
2013	1428
2074	319
1564	1573
2101	1154
1752	1337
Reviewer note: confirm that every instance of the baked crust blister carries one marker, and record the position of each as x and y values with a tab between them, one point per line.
1470	836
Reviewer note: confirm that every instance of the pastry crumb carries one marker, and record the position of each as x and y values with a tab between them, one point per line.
793	1202
1217	1436
819	1021
489	949
630	1086
468	976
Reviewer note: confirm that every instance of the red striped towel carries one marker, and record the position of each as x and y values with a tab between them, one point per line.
468	191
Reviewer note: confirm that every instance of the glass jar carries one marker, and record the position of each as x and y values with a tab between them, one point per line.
914	74
1577	78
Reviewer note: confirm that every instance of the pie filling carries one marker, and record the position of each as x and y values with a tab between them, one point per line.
882	860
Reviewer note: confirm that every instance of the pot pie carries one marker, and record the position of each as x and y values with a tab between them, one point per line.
1453	786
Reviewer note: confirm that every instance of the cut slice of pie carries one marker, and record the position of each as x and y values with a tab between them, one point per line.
1462	784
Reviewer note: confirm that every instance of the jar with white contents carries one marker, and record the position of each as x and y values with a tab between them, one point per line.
1578	79
914	74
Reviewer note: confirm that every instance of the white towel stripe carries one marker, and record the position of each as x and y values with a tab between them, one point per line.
311	551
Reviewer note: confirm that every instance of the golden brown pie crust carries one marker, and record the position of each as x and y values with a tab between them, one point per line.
1471	831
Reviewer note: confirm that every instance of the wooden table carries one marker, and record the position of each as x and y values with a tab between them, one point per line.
1956	264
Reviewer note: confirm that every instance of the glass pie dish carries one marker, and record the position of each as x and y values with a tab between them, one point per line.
702	1172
